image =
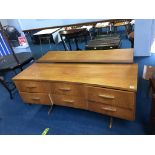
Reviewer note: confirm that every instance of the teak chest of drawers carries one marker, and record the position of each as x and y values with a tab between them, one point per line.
108	89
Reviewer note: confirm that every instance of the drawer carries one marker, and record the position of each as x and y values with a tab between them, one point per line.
38	98
68	89
127	114
70	101
33	86
111	97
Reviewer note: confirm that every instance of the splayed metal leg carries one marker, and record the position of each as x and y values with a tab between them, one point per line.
51	107
110	122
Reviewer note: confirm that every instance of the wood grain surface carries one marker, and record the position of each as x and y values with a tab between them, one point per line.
102	56
116	76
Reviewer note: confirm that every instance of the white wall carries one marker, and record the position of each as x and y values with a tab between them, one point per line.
40	23
153	37
143	40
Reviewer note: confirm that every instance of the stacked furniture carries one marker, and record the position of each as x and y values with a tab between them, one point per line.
98	81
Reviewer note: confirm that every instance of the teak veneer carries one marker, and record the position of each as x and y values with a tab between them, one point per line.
104	88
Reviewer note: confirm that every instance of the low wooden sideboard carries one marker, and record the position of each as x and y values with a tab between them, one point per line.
108	89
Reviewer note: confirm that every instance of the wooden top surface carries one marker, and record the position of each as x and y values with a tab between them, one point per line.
106	56
116	76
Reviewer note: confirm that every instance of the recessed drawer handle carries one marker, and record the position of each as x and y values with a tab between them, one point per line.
69	101
106	96
65	89
31	87
109	109
35	98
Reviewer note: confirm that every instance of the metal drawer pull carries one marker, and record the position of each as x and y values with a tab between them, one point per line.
35	98
106	96
109	109
69	101
65	89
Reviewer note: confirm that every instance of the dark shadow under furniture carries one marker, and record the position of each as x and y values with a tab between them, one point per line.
8	63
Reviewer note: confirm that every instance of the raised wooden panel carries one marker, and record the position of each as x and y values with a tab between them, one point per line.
106	56
33	86
36	98
111	110
113	97
70	101
73	89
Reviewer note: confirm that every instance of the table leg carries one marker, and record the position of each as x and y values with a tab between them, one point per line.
41	46
76	43
90	36
49	42
110	28
51	107
64	45
126	31
110	122
69	44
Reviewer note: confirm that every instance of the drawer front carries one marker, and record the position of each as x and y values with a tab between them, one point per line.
38	98
111	97
127	114
70	101
33	86
68	89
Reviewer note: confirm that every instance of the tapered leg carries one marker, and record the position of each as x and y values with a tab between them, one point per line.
76	43
110	122
63	43
69	44
51	107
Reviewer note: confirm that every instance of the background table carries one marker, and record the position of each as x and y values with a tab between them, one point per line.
46	34
73	34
